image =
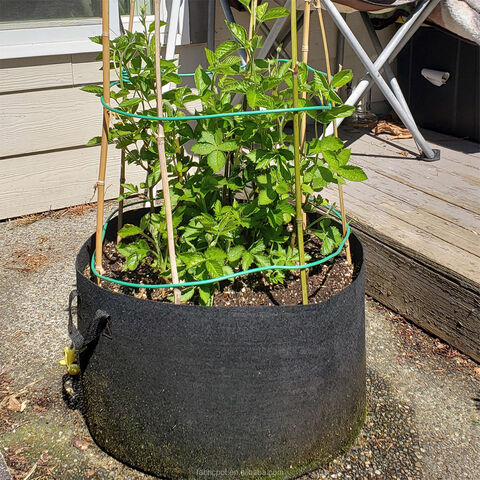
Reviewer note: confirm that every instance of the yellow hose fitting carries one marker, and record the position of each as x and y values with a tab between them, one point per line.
69	361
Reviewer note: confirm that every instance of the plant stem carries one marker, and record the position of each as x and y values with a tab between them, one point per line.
296	150
162	157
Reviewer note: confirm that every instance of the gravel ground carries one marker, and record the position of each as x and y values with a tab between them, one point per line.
423	418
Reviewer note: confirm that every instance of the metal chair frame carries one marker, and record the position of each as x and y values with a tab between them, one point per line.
385	55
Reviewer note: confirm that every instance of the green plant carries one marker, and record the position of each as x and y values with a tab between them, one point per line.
232	199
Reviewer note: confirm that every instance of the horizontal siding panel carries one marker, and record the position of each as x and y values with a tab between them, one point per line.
86	69
38	183
47	120
35	73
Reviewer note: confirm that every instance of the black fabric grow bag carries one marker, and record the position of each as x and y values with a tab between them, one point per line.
192	391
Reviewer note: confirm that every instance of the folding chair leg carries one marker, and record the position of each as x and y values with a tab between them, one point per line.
394	46
340	48
211	25
392	80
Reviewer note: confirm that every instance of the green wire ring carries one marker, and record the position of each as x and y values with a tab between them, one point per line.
216	279
232	275
215	115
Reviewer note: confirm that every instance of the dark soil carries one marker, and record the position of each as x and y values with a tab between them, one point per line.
324	281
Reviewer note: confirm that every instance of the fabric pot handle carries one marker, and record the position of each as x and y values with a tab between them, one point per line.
94	328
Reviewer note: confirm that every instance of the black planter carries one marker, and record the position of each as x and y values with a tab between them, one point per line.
237	392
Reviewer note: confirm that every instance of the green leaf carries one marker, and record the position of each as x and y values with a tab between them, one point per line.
205	293
337	236
216	160
333	97
342	111
130	187
210	56
229	146
226	48
276	12
342	78
307	188
344	156
261	9
129	230
208	137
191	259
245	3
227	270
151	27
186	295
327	245
202	80
336	112
326	174
320	82
252	97
97	89
238	32
247	260
262	260
134	253
266	196
202	148
235	253
94	141
97	39
354	174
286	207
331	159
282	188
330	143
130	102
214	268
257	247
218	137
215	253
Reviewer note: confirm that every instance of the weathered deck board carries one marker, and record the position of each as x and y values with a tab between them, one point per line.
448	180
420	225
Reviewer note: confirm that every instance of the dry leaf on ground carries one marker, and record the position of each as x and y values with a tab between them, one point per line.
80	444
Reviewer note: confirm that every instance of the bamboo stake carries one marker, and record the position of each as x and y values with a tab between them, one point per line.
162	156
305	48
335	128
122	158
253	19
100	185
132	15
296	150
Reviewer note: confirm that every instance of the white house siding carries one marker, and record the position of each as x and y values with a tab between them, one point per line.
45	122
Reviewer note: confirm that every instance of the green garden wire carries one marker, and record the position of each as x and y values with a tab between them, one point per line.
187	118
201	117
216	279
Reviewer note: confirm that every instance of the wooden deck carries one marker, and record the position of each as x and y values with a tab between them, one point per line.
420	225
